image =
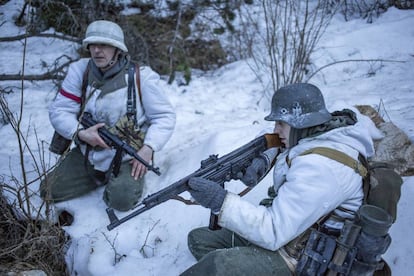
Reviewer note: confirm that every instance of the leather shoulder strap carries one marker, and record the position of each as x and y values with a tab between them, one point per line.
138	81
131	103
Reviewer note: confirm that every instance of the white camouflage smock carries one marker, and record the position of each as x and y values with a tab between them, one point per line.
156	116
313	186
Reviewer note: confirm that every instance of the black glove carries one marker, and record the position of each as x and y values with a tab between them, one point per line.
208	193
255	171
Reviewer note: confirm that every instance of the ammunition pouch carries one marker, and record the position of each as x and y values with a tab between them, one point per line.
357	251
296	246
59	144
316	255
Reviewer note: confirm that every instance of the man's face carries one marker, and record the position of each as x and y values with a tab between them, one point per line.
102	55
283	130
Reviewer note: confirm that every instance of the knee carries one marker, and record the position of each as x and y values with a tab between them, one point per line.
206	266
119	202
211	264
121	197
193	243
198	242
195	235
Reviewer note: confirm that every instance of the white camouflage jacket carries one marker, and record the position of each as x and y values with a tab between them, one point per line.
312	187
156	115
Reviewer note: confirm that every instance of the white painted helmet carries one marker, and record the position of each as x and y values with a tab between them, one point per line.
105	32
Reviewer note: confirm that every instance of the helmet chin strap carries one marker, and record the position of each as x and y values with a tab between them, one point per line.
112	61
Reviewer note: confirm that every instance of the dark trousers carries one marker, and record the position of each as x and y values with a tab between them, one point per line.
222	252
71	179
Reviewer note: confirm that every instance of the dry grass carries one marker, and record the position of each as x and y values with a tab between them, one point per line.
29	244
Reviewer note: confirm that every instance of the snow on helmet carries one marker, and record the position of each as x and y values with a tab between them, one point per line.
300	105
104	32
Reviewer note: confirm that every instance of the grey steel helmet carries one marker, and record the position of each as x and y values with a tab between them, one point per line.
300	105
105	32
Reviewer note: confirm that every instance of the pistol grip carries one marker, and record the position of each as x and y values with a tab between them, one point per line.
213	225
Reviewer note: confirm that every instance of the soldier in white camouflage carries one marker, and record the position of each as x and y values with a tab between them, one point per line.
89	164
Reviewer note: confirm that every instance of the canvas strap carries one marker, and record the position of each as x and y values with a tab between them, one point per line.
360	166
341	158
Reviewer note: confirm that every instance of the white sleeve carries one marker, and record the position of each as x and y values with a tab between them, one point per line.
159	111
65	108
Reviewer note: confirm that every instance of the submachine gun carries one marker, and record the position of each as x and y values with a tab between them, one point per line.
228	167
114	141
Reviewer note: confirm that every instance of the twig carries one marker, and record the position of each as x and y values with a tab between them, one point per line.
142	250
351	60
117	257
381	104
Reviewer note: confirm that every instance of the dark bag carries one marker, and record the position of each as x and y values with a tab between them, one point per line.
384	187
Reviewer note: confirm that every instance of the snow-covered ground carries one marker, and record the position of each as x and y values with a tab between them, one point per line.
216	113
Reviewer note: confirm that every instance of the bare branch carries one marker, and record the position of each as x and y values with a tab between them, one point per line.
142	250
47	35
350	60
57	73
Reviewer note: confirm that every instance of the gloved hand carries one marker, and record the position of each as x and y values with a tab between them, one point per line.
255	171
208	193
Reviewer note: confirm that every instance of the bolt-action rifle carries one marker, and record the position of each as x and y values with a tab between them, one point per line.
228	167
114	141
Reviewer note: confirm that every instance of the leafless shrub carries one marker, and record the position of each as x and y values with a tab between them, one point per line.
403	4
367	9
370	9
281	50
28	240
